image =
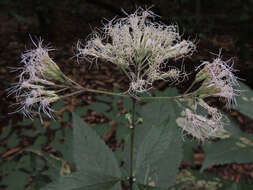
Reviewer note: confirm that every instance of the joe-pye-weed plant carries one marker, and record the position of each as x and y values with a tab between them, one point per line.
144	51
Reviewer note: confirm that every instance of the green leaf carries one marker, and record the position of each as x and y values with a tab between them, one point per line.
5	132
39	142
188	146
99	107
65	116
127	104
83	181
245	100
55	125
7	167
122	132
244	17
87	146
97	167
25	122
13	141
25	162
40	181
37	123
227	151
235	186
29	132
66	147
58	105
81	111
21	179
233	127
155	113
159	156
167	92
158	111
1	149
102	129
104	98
236	149
55	165
146	187
231	187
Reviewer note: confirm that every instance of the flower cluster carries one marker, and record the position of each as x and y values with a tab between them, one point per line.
218	80
201	127
40	82
141	48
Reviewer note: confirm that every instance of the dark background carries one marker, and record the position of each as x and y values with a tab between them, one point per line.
214	24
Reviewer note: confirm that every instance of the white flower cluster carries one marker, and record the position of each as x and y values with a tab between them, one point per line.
40	82
141	48
218	80
201	127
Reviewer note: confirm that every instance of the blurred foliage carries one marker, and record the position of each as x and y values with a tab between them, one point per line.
35	153
189	179
48	152
245	100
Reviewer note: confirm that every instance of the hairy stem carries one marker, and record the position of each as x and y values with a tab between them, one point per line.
132	127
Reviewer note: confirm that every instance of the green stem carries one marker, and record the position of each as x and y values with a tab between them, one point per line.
71	81
74	93
107	93
127	96
190	87
132	127
139	98
166	97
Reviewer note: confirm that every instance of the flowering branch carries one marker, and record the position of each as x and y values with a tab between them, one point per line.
142	50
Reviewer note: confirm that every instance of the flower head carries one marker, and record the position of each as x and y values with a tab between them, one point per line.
200	127
140	47
41	82
38	64
218	80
